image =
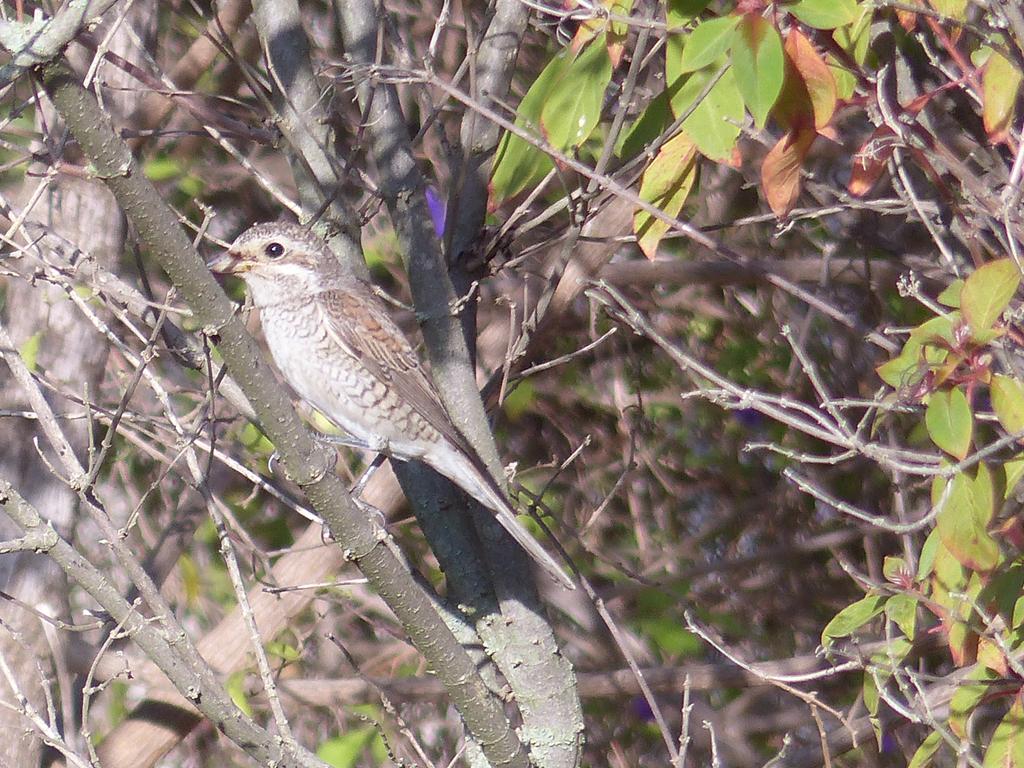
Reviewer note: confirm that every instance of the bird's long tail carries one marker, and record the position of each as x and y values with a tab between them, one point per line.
478	484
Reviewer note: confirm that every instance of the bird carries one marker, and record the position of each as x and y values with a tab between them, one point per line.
335	343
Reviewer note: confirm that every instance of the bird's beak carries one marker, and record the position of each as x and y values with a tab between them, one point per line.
224	263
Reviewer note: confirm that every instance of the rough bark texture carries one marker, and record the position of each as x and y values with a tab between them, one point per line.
71	355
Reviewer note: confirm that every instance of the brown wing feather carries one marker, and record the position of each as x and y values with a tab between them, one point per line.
360	323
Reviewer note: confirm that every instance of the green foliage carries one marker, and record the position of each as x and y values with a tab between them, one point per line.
853	617
713	116
963	567
235	686
963	520
562	107
666	184
987	293
348	749
29	350
824	14
519	401
924	754
758	63
949	421
669	635
1008	402
1006	747
707	44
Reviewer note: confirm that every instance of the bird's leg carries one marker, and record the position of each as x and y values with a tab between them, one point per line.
377	444
357	490
347	441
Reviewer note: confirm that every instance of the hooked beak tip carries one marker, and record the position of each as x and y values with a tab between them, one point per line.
224	263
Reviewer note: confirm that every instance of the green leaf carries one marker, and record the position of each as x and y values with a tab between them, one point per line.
1000	86
938	329
563	105
955	9
870	693
890	655
987	292
929	549
344	751
1014	469
666	183
29	351
824	14
948	579
657	622
894	568
967	696
572	110
519	401
950	422
924	754
901	610
962	522
855	39
758	64
853	617
905	370
950	296
1008	402
1018	612
1002	591
681	12
190	582
707	42
1006	747
283	650
518	164
235	686
714	122
162	168
651	123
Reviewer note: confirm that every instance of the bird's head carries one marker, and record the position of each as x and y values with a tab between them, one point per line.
276	260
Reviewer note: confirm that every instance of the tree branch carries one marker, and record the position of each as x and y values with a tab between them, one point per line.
303	458
303	121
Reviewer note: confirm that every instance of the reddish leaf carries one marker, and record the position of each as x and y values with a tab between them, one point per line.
870	160
780	172
817	78
907	19
793	109
591	28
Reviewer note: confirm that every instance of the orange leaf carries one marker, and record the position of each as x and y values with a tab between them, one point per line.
793	109
870	160
617	32
780	171
907	19
816	76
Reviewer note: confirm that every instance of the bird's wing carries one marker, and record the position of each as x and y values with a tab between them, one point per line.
359	322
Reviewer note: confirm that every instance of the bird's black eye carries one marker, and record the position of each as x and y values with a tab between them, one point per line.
274	250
